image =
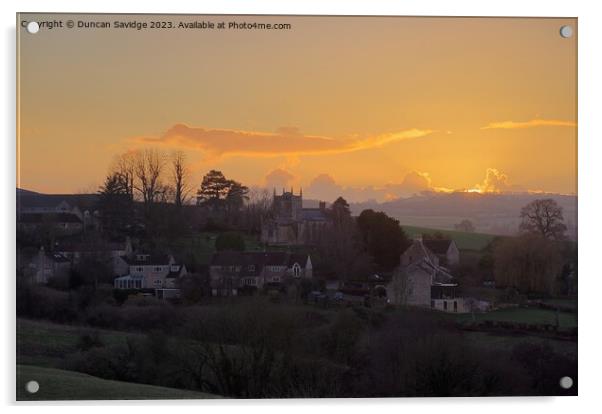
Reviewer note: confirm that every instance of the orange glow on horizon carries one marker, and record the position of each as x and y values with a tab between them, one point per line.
479	105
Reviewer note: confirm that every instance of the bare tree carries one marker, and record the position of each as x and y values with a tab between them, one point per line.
180	175
465	226
257	208
125	166
543	218
148	166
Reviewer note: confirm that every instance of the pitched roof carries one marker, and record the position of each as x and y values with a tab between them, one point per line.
418	245
90	246
149	260
35	200
437	246
439	274
252	263
313	214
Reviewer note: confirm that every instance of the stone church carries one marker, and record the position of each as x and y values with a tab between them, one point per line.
290	224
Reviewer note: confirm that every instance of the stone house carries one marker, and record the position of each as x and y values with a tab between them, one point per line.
45	266
63	224
421	281
115	253
68	213
231	273
148	271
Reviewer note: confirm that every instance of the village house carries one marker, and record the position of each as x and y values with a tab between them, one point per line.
232	273
45	266
291	224
63	224
421	281
115	253
67	214
146	271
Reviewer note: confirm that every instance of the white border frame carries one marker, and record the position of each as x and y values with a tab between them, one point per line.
590	231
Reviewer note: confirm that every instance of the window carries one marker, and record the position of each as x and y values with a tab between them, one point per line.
251	268
296	270
444	305
276	279
139	269
158	269
157	283
455	306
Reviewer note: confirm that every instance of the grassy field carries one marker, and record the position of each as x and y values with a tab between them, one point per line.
524	315
495	341
46	343
57	384
465	241
566	303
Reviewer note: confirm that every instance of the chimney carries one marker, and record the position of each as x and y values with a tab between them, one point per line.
322	205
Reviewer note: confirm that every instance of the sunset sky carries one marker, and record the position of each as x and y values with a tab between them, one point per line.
376	107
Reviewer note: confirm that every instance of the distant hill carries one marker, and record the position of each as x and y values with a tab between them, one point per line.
464	240
21	191
490	213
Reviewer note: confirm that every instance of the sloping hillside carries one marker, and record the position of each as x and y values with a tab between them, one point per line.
58	384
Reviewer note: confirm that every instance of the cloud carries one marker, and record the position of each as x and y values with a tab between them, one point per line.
325	187
285	141
278	178
529	124
415	181
495	182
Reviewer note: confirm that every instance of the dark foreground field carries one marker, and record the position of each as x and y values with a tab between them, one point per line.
57	384
253	348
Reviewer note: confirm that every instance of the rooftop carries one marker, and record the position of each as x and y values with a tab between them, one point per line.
437	246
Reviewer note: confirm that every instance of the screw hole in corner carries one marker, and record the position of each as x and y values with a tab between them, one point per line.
32	387
33	27
566	382
566	31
